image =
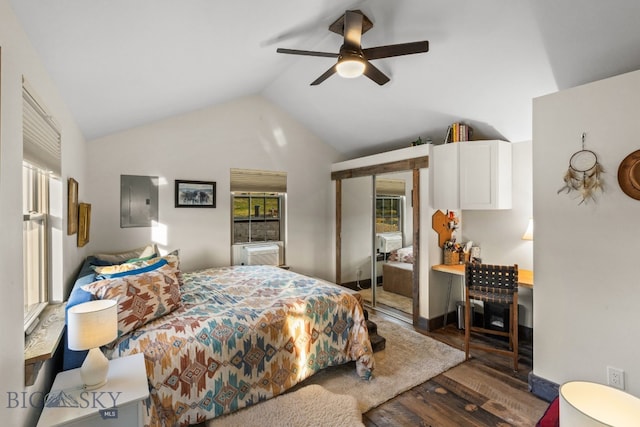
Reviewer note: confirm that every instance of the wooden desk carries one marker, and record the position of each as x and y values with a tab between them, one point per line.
525	277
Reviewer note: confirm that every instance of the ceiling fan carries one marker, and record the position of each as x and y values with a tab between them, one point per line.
353	60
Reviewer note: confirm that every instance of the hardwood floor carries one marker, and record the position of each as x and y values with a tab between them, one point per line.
483	391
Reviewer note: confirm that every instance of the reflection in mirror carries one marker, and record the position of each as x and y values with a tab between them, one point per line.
394	242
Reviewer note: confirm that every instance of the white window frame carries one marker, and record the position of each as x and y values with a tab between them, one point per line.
36	246
41	145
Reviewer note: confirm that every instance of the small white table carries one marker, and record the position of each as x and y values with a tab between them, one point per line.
117	403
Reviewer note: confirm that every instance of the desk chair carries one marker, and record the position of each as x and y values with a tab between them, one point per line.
498	284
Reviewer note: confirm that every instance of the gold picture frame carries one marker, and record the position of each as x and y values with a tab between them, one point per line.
72	206
84	223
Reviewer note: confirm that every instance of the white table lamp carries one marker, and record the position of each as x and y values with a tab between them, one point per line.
587	404
91	325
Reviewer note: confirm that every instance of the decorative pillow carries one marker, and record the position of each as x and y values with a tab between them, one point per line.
120	257
141	298
551	417
127	269
136	267
402	255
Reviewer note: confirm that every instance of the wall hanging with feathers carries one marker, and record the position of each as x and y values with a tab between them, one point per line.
583	175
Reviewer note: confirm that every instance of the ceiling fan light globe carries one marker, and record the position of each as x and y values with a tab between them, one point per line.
350	68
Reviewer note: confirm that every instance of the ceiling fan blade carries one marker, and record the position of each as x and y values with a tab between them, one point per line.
374	74
395	50
331	71
307	52
352	29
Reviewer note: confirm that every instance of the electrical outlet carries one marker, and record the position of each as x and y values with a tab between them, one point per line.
615	377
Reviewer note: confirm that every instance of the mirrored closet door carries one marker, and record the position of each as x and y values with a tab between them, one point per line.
378	229
394	241
357	223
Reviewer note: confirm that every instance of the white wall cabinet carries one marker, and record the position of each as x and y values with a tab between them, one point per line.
472	175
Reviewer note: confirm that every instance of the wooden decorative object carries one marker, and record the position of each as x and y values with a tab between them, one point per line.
440	223
72	206
629	175
84	223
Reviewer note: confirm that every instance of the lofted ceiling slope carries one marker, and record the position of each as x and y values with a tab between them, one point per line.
121	63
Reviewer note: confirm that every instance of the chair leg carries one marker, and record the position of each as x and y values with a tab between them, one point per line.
467	326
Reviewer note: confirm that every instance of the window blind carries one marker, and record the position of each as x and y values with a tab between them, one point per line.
41	136
390	187
251	180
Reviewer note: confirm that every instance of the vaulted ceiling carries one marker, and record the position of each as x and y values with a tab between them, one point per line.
123	63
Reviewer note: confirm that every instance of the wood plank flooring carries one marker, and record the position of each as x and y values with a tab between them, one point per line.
483	391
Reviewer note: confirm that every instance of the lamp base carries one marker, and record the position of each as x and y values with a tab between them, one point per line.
94	370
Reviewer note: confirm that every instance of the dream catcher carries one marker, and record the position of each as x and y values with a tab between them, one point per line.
583	174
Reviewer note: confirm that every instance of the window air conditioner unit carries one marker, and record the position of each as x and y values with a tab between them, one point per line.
262	255
388	242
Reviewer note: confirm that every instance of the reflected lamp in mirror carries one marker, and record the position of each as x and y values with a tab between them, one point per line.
91	325
528	234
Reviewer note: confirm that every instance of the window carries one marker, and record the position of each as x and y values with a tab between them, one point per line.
35	186
388	214
256	217
41	154
258	203
390	199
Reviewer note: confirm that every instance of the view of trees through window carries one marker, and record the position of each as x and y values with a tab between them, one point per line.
388	214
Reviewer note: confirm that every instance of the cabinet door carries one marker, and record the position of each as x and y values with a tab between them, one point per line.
445	176
485	175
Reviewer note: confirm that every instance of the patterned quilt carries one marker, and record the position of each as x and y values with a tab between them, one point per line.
243	335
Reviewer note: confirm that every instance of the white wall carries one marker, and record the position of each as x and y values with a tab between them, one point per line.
586	269
499	232
203	145
20	59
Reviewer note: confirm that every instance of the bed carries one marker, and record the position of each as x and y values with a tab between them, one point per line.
397	272
240	335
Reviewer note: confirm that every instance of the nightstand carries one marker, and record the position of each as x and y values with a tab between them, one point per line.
117	403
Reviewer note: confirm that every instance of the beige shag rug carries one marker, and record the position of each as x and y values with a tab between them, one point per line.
408	359
309	406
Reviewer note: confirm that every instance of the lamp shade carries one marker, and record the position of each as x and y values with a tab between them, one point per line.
528	234
92	324
587	404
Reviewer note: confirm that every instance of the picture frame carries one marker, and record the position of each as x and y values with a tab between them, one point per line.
72	206
84	223
195	194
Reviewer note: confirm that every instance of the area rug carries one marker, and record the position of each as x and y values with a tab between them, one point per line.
309	406
408	359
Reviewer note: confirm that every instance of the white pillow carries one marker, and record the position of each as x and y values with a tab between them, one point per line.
120	257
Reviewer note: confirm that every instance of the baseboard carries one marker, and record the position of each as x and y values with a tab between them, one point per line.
423	324
428	325
354	286
543	388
